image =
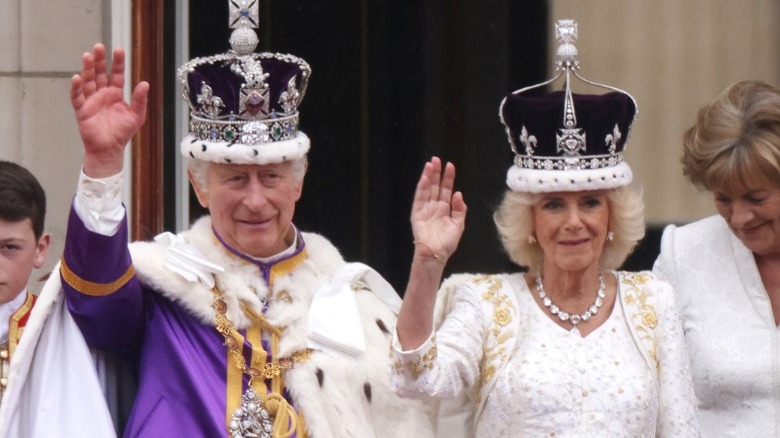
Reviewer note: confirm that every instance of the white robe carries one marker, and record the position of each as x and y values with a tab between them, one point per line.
529	377
53	388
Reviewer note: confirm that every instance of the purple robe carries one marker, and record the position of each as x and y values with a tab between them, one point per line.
181	362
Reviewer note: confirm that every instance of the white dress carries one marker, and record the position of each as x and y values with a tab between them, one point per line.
555	382
729	328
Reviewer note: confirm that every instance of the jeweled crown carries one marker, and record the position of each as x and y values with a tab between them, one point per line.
244	105
565	141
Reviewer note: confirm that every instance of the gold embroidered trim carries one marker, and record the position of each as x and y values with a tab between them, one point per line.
424	362
14	331
494	352
94	289
644	315
286	266
419	365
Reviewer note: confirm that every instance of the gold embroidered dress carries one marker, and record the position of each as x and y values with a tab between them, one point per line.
527	376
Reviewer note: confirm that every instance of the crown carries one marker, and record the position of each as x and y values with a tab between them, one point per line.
565	141
244	105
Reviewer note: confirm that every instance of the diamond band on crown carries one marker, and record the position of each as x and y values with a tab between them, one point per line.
245	131
568	163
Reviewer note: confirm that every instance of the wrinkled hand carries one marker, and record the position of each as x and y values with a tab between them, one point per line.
106	122
438	214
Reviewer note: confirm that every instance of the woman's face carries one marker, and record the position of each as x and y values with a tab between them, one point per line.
753	215
571	228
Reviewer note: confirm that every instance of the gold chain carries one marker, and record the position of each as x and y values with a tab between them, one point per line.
269	370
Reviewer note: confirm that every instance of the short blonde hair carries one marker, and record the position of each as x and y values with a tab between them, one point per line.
736	138
514	220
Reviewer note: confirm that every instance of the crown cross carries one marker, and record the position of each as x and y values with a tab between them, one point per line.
244	13
210	104
566	31
566	54
570	141
255	102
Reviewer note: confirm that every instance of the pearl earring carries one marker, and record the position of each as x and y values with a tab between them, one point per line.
531	239
610	236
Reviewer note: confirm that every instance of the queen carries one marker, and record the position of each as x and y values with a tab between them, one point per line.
572	347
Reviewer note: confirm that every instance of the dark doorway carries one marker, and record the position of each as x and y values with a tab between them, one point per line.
392	84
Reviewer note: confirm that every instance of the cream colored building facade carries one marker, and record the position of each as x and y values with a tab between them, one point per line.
41	46
42	43
672	55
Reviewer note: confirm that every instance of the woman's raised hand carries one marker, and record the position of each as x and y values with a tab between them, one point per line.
438	214
106	122
438	218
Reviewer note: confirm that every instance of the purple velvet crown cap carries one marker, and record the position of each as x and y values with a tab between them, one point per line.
227	84
549	156
542	116
244	107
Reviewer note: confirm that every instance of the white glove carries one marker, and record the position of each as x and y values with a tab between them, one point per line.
188	261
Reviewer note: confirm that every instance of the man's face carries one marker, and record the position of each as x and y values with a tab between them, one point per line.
252	205
20	252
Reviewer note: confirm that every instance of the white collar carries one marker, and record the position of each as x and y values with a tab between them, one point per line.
6	310
290	249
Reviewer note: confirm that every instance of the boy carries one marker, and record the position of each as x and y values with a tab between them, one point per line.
48	381
23	246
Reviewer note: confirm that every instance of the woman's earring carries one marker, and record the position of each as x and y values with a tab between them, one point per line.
610	236
531	239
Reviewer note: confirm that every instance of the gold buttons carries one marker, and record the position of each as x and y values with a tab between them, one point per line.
284	296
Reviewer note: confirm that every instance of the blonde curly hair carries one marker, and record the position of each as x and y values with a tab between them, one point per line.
514	220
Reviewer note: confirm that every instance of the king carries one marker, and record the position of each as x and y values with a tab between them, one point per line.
242	325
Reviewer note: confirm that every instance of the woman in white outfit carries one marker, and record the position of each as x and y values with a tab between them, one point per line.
726	268
572	347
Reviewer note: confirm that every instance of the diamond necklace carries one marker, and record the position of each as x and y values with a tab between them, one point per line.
564	316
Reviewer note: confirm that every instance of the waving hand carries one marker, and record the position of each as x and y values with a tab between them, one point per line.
438	219
438	213
106	122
